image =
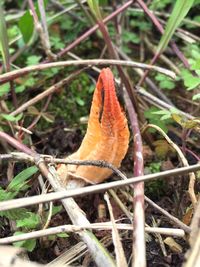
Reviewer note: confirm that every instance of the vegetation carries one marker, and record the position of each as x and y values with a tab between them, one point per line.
45	111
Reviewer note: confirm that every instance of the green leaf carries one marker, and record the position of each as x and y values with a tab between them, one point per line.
4	195
29	82
190	81
56	42
9	117
165	82
20	89
169	85
27	244
14	214
166	114
4	89
80	101
56	209
63	235
31	222
18	181
4	47
159	117
180	10
196	97
51	237
196	65
33	60
94	7
26	26
130	37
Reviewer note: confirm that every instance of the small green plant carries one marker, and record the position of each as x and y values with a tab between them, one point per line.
77	97
165	82
159	117
160	4
191	77
25	219
154	167
157	187
11	118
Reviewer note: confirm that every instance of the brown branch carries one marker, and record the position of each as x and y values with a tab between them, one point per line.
139	252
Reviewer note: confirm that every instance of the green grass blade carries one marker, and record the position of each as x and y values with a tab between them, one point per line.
180	10
4	47
19	180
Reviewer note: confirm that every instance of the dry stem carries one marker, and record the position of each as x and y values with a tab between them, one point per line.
23	71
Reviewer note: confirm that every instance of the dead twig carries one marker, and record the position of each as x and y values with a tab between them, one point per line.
9	76
94	226
42	28
120	257
193	255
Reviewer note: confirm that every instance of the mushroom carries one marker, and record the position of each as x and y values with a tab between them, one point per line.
106	138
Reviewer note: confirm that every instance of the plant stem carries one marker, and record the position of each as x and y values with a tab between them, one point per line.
139	252
21	72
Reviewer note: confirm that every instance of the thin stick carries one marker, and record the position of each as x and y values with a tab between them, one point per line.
120	257
23	71
41	29
139	248
16	203
93	226
172	218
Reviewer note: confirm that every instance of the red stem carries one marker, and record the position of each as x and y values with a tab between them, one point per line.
15	143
